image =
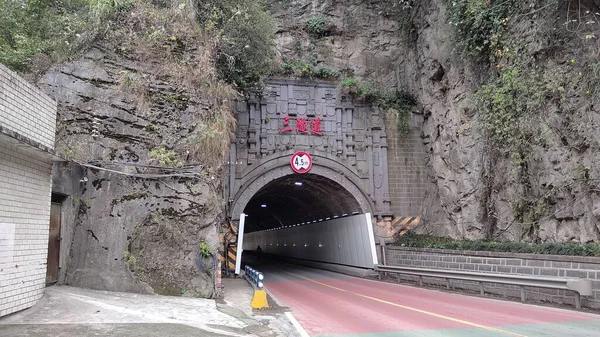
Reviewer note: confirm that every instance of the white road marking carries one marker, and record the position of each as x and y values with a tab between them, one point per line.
296	324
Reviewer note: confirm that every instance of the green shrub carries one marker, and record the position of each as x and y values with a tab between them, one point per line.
427	241
349	82
247	45
360	91
397	102
204	250
54	29
508	106
480	24
301	68
400	103
316	25
326	72
165	157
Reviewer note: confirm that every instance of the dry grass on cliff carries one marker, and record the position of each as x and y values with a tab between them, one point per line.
184	55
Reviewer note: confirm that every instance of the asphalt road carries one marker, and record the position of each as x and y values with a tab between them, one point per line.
330	304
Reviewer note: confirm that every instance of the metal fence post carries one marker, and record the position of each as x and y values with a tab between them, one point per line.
522	294
382	244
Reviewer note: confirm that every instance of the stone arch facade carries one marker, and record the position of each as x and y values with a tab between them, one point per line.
345	138
278	167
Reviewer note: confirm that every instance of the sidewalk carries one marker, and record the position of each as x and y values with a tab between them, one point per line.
68	311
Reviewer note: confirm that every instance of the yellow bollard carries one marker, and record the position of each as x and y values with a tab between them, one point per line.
260	299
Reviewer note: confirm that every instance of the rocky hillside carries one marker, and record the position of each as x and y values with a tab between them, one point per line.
145	109
509	94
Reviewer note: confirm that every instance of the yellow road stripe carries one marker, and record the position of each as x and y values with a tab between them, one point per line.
489	328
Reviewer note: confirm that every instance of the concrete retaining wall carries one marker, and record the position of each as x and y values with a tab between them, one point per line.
510	263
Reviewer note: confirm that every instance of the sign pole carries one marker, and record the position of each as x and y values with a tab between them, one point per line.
238	258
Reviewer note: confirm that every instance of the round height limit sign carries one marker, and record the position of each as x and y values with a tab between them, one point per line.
301	162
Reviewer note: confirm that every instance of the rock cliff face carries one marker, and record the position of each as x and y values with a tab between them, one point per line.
472	192
138	230
148	208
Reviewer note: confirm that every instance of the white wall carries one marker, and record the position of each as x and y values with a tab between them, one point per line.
25	109
25	191
348	241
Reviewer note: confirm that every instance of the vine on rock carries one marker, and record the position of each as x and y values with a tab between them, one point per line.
397	102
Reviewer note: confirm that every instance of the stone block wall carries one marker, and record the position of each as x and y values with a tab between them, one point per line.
509	263
406	168
25	109
27	119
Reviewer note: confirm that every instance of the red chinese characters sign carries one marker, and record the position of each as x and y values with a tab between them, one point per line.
303	125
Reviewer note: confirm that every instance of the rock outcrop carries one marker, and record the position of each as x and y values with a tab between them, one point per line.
138	230
149	205
471	192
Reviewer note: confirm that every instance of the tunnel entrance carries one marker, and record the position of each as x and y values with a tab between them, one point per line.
319	217
296	200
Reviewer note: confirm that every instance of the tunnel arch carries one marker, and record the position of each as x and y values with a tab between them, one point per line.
294	200
257	178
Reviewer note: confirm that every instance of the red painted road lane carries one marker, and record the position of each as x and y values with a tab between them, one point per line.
458	306
354	307
324	311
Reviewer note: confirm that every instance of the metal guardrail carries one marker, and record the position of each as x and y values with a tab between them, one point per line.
256	278
581	287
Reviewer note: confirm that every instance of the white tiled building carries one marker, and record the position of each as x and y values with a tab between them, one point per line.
27	128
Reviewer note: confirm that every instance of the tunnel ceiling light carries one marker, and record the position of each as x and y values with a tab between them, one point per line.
314	221
344	214
263	206
336	216
355	212
320	219
298	183
327	218
320	245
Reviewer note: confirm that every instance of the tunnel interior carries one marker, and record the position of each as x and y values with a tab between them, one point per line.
295	200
